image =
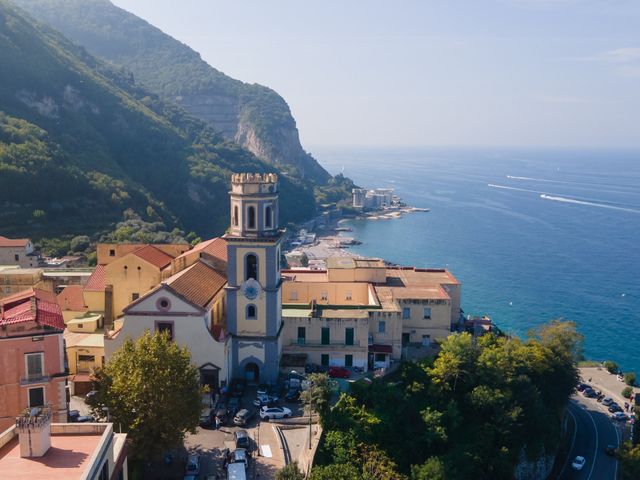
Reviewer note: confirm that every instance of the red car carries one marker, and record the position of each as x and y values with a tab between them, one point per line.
339	372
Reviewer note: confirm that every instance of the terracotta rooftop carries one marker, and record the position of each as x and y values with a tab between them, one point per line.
13	242
71	298
97	281
67	459
33	305
198	283
154	256
216	247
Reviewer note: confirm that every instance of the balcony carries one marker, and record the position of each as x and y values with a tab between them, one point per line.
34	378
302	344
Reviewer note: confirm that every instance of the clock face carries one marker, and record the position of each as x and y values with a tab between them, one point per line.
251	289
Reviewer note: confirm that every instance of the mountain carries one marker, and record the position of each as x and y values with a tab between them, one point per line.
253	116
81	143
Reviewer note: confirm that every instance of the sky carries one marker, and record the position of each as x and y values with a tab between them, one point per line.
421	72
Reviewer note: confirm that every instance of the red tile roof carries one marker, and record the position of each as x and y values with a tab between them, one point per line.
33	305
97	281
13	242
71	298
216	247
198	283
154	256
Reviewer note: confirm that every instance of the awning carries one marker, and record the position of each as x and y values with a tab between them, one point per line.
81	378
381	349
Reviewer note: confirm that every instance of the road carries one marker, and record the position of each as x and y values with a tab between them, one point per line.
594	430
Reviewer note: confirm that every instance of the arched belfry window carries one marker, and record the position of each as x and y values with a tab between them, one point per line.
251	312
251	267
251	214
268	217
235	215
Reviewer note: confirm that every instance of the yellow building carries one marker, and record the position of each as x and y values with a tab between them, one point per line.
393	311
14	279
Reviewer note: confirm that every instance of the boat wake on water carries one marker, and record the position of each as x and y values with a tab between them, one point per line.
591	204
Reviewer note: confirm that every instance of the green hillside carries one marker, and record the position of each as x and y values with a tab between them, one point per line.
253	116
80	143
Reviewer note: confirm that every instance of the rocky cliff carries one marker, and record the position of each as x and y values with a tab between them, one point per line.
254	116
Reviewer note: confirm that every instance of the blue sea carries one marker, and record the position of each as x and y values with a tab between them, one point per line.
532	235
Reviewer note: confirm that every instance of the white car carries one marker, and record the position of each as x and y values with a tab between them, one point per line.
268	413
578	463
621	416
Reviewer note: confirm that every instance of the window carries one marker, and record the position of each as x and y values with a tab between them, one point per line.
326	336
17	257
235	215
324	296
406	338
348	336
426	339
135	296
302	335
34	364
36	397
348	295
427	313
81	325
324	360
294	295
406	313
348	360
112	253
165	327
251	267
267	217
382	326
163	304
381	357
251	312
86	358
251	214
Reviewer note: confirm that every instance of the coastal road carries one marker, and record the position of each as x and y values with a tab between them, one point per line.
594	430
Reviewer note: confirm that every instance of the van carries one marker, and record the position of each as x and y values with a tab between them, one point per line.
236	471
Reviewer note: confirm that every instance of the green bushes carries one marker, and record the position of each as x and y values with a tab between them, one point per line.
630	378
627	392
611	366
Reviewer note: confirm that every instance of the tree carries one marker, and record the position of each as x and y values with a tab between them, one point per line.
627	391
630	461
151	390
290	472
611	366
80	243
318	394
337	471
432	469
630	378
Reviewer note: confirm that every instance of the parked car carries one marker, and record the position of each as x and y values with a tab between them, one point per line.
269	413
85	419
221	413
233	406
610	450
292	396
193	465
243	416
620	416
73	416
590	393
339	372
242	439
206	418
263	389
607	401
239	455
581	386
263	399
238	387
578	463
614	407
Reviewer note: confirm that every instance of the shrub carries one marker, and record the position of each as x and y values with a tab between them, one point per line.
611	366
627	392
630	378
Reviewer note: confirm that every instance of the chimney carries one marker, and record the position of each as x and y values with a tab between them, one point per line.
34	429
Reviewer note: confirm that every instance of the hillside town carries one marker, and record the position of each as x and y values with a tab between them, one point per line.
242	316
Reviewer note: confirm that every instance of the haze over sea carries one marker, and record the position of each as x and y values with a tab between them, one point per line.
522	258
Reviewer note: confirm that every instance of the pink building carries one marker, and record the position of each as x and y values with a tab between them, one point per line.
32	360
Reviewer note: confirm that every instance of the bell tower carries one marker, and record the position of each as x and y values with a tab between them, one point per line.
254	299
